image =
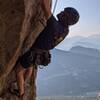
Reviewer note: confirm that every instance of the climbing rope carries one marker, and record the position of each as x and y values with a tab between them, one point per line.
55	5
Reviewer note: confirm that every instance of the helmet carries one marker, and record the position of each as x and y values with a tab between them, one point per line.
73	15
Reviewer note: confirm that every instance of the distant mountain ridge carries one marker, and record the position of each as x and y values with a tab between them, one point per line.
88	42
85	51
73	72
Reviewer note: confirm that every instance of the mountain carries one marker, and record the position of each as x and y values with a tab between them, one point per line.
89	42
85	51
74	72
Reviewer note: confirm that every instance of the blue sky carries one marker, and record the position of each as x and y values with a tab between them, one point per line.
89	23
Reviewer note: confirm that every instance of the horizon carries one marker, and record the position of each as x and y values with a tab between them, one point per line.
92	41
91	35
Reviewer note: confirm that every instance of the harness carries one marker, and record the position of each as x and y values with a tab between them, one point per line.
40	57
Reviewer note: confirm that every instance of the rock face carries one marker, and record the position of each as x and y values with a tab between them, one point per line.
20	24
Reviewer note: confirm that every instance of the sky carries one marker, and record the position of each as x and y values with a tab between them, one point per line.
89	10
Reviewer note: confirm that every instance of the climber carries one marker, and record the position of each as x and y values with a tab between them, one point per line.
39	54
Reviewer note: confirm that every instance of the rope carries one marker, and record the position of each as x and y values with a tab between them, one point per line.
55	6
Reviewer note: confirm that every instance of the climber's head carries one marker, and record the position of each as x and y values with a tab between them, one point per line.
69	16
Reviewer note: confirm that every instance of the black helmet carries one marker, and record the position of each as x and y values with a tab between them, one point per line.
73	14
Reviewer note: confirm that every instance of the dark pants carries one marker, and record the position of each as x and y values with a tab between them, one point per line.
35	57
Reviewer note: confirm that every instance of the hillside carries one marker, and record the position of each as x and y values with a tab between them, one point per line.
71	73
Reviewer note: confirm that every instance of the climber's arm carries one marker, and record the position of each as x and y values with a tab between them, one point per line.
47	9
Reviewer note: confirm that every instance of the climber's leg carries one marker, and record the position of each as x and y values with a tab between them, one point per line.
20	72
28	73
24	70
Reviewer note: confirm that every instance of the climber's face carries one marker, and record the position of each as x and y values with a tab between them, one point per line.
63	18
69	16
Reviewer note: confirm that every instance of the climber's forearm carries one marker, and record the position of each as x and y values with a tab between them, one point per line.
47	9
